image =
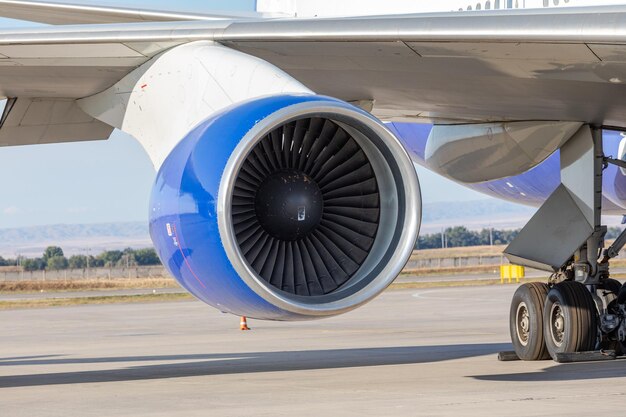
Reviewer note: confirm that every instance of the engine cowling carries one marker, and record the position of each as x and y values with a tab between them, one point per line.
286	207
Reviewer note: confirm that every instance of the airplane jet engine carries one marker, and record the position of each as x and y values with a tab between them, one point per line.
286	207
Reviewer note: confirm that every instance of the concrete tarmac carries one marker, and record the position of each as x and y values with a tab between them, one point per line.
428	352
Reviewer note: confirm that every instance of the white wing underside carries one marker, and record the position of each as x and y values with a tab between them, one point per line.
568	65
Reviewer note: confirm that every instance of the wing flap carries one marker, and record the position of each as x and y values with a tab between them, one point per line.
85	51
70	70
38	121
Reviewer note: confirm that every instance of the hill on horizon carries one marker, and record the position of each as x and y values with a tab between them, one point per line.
96	238
73	238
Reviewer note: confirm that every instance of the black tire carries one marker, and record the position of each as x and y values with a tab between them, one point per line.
570	319
526	321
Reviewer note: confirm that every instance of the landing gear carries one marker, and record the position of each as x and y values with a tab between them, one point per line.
621	295
613	286
584	310
570	319
613	316
526	321
621	301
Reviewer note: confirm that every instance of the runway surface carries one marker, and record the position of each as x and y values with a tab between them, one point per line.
425	352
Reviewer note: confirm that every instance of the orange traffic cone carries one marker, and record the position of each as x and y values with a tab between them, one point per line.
243	324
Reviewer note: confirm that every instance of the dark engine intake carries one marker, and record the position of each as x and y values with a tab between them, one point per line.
286	207
306	207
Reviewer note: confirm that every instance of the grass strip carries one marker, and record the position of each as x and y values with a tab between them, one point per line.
16	287
157	298
113	299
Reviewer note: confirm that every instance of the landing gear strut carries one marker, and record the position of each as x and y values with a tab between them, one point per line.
581	309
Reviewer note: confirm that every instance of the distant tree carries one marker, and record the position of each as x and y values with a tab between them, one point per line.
78	262
56	263
3	262
127	260
147	257
95	262
460	236
51	252
483	237
110	258
36	264
430	241
502	237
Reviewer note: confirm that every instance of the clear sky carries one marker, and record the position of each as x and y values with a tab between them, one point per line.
110	181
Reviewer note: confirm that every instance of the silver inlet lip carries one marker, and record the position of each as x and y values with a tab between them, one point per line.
394	243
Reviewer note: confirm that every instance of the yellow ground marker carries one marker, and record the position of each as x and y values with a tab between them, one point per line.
511	272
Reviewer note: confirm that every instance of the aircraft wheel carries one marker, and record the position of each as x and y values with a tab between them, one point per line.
570	319
525	321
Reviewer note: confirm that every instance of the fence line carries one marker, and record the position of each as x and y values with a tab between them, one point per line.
455	262
160	272
87	273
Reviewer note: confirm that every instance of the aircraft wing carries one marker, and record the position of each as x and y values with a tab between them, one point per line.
490	66
64	14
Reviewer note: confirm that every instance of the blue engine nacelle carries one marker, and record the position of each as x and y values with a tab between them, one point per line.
286	208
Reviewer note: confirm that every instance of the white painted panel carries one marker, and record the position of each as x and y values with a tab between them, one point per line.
483	152
160	102
577	171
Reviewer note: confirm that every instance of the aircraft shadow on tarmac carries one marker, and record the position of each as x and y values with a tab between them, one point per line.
237	363
564	372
